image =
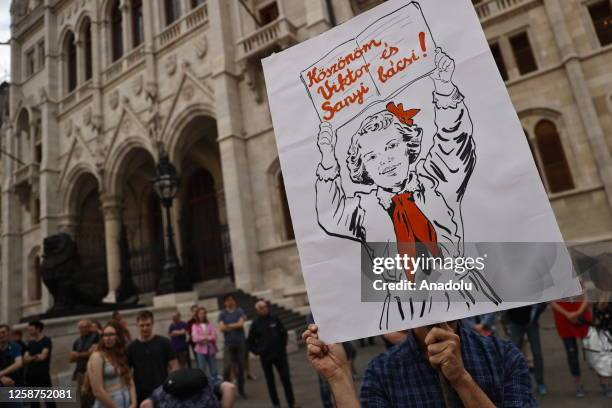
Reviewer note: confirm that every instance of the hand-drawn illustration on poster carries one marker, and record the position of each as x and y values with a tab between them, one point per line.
396	151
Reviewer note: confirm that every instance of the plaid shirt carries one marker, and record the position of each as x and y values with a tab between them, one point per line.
402	377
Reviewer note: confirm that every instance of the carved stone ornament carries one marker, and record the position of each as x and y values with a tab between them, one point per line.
87	116
96	122
151	91
201	47
137	85
127	125
42	94
171	65
188	92
68	128
78	152
114	99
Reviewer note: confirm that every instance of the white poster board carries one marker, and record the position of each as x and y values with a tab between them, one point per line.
398	141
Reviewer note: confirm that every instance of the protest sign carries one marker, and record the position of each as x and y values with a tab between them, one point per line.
412	189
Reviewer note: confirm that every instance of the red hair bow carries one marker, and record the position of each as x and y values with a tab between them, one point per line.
404	116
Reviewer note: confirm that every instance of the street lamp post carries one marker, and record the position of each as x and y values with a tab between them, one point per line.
166	183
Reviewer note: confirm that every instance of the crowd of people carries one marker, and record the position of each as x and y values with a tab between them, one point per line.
465	362
114	370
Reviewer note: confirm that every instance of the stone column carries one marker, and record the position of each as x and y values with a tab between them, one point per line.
80	50
127	24
232	146
49	133
11	266
185	7
582	96
317	18
508	57
111	208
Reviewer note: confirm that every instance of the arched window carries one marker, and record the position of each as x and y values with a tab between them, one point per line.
533	153
196	3
137	23
552	157
87	53
34	281
288	232
71	62
116	21
173	10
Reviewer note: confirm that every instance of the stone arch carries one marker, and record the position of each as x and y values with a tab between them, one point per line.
530	116
278	201
83	16
200	210
33	275
83	30
68	28
84	210
141	216
174	129
118	157
554	163
22	133
69	188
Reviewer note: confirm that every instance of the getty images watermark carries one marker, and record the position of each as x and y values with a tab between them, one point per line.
410	265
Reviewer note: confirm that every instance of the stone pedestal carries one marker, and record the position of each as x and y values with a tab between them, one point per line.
175	299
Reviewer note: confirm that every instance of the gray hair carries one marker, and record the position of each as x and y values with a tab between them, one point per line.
411	134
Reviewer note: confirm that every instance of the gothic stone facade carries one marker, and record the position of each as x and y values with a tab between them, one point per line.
100	88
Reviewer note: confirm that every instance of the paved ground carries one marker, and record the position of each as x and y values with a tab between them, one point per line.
560	383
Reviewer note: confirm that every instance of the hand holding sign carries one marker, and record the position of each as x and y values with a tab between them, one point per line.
443	73
329	360
326	141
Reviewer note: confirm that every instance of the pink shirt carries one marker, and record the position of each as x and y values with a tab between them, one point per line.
202	346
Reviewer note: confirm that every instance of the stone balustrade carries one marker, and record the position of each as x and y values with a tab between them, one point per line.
280	32
489	9
189	22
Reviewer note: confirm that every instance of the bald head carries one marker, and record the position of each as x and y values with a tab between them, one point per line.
261	307
84	327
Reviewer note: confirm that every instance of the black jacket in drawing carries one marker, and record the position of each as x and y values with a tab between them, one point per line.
436	182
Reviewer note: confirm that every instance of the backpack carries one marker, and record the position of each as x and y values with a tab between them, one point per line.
185	382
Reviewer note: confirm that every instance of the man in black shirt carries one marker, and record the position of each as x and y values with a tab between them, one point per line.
268	339
81	350
11	362
37	358
151	357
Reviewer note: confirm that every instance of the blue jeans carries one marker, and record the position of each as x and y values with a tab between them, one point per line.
208	364
121	398
517	334
571	350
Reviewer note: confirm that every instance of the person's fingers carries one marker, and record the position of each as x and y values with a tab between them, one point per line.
438	334
315	350
447	63
437	348
447	327
313	328
439	54
315	341
443	59
306	334
436	360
